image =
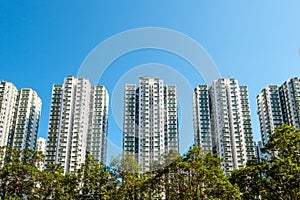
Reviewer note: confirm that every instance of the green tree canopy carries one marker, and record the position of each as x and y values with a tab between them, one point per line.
277	177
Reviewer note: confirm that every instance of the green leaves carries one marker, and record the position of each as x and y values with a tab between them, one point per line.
95	181
21	178
19	173
195	175
278	177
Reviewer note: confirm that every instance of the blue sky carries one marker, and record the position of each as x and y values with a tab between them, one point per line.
42	42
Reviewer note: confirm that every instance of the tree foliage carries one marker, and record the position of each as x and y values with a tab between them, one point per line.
195	175
277	177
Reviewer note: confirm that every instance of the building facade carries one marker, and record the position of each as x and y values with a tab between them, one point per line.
258	153
77	124
222	123
150	126
98	124
277	105
41	145
20	114
8	109
202	120
289	93
269	111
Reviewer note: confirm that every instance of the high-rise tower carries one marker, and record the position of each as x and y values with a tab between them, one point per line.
269	111
78	124
277	105
289	93
150	125
8	110
20	115
222	122
202	119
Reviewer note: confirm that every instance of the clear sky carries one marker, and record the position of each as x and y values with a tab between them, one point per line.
42	42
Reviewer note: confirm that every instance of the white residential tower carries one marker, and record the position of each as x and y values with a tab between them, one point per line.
277	105
222	123
150	125
20	114
78	124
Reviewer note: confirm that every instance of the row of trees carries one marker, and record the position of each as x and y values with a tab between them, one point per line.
278	176
195	175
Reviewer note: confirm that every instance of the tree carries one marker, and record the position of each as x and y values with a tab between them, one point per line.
95	181
250	180
127	171
53	184
196	175
283	174
19	173
278	177
21	178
